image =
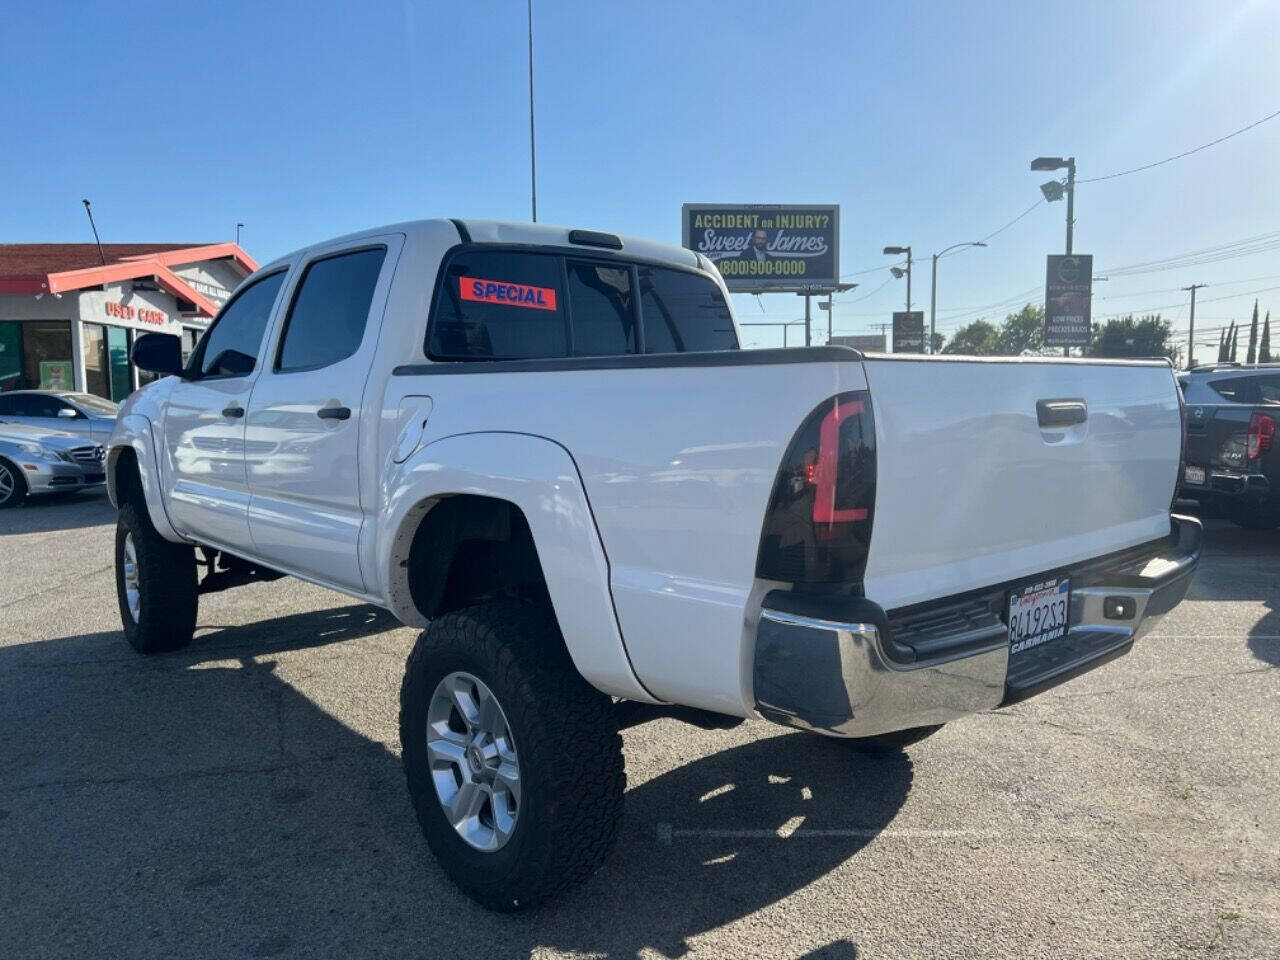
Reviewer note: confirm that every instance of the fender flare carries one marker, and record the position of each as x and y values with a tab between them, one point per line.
134	432
540	478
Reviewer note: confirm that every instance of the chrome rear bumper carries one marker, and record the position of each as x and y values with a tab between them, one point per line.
843	666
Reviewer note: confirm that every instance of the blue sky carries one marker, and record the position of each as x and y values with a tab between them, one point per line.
308	120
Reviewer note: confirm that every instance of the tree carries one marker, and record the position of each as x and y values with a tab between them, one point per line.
1235	342
977	339
1149	336
1222	345
1264	351
1252	355
1022	332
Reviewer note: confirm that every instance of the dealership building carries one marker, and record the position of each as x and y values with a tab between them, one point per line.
69	312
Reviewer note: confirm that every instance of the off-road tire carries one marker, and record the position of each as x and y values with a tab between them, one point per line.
168	588
566	738
17	485
897	740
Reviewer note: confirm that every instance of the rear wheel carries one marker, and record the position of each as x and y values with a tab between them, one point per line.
513	761
13	488
156	585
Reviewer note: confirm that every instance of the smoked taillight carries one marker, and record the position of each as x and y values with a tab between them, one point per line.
1262	432
818	524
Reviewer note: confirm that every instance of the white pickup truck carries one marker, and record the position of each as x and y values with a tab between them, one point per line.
545	447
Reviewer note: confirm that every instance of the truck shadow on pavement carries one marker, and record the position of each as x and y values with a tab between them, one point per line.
62	511
200	804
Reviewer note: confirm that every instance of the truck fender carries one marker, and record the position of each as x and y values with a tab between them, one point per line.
134	432
539	477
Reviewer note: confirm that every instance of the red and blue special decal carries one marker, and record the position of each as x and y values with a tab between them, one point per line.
507	294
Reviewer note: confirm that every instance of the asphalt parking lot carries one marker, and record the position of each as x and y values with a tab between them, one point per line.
244	798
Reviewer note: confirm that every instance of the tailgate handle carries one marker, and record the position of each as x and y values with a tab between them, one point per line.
1061	413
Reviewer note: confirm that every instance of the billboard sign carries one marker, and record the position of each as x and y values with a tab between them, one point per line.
1068	291
908	331
767	247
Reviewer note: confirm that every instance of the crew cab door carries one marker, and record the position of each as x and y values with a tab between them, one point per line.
204	421
307	411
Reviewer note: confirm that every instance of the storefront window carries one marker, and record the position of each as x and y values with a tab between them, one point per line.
94	341
106	362
36	355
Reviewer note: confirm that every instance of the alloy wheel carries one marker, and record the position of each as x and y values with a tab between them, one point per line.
132	588
473	759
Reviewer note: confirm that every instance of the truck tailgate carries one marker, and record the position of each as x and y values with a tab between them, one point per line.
972	490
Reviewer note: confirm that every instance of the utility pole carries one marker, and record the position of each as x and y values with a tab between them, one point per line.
1191	334
829	295
808	328
238	227
87	209
533	153
1071	200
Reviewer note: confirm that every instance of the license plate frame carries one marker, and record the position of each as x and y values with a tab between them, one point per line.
1038	613
1194	475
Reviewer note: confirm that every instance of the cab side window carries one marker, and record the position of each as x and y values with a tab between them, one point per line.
327	318
499	305
230	348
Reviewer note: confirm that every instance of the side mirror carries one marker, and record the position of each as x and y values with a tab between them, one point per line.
158	353
66	413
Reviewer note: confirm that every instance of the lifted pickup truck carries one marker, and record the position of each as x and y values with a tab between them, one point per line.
545	447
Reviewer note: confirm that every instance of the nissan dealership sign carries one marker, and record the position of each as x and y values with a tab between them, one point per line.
767	247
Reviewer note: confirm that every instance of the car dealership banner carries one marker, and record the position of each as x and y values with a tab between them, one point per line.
908	331
1068	290
774	247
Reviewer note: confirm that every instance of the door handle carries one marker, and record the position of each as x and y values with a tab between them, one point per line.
1066	412
334	413
234	412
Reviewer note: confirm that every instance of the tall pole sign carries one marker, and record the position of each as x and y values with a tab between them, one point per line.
1068	294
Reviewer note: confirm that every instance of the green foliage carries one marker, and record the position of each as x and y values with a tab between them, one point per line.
1149	336
977	339
1252	355
1021	333
1264	351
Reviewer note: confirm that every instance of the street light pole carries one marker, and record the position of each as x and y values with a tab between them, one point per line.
897	252
533	149
933	287
1071	200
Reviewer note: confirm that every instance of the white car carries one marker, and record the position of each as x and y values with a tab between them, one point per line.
60	411
545	447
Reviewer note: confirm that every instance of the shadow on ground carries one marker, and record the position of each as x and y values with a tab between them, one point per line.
197	804
46	514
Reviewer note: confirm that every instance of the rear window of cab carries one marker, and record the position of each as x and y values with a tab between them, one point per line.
525	305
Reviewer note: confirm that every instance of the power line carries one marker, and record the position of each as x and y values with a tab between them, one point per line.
1179	156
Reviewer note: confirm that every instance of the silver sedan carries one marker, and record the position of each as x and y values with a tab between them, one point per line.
34	461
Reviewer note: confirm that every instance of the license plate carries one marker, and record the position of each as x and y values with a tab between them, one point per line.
1194	475
1038	614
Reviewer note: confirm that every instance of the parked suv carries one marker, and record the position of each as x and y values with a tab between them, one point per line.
545	447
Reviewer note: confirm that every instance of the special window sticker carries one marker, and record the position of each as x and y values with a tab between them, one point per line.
507	294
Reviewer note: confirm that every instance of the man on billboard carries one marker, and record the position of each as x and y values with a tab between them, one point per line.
757	249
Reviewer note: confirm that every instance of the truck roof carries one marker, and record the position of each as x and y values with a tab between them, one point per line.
518	232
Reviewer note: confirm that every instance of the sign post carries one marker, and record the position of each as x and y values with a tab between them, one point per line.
1068	294
908	331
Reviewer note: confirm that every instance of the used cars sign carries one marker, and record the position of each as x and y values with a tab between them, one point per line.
1068	290
757	247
